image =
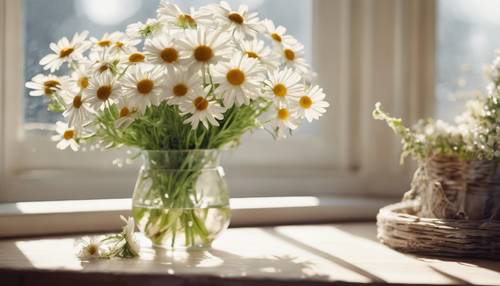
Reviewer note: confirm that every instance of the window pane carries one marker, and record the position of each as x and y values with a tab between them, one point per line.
466	41
45	24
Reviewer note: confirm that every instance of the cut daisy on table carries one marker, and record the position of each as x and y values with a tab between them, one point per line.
311	105
88	247
66	137
66	51
239	23
283	85
180	84
202	109
239	80
142	87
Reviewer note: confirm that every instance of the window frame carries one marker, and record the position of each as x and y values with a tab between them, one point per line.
360	166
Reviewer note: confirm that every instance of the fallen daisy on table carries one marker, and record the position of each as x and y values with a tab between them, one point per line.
121	245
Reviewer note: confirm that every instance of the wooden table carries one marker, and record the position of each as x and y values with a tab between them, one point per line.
337	254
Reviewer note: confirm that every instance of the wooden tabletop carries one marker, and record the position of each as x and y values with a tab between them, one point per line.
288	255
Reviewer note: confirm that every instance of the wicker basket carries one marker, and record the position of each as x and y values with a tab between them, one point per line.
400	228
452	209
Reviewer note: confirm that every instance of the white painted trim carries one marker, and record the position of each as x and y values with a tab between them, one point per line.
45	218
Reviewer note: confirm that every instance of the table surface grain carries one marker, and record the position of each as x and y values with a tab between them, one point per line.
286	255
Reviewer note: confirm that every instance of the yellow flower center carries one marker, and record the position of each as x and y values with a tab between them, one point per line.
50	85
180	90
276	37
203	53
200	103
77	101
69	134
280	90
119	45
103	68
252	55
186	20
104	92
104	43
92	249
305	102
289	54
169	55
65	52
145	86
136	58
236	18
235	77
124	112
283	114
83	82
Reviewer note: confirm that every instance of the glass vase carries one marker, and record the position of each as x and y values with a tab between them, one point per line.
181	199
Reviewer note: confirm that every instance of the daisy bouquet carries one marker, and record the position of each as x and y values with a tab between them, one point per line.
185	80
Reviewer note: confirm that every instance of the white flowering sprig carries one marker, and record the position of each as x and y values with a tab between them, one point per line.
182	80
121	245
431	137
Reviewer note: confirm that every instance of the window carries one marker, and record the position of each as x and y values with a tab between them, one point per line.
466	43
360	50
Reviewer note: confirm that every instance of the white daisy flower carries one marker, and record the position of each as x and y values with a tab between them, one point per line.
78	111
282	85
174	17
66	51
293	57
102	90
88	247
126	113
181	85
142	87
80	78
202	109
283	121
103	62
124	45
239	23
238	80
257	49
106	41
201	48
46	84
139	30
129	235
133	58
277	33
311	105
66	137
162	51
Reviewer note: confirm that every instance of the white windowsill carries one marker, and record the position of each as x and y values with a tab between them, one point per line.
58	217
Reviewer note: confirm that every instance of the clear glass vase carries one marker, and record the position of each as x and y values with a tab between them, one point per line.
181	199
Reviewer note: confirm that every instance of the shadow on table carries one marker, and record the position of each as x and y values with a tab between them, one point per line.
224	263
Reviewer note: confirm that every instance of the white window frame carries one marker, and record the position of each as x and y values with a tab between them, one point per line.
361	154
